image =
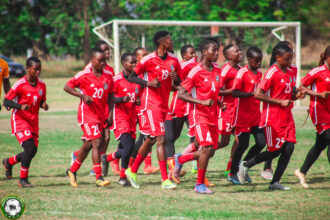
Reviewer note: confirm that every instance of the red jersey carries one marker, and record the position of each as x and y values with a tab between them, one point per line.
23	93
125	111
178	107
247	110
203	85
153	67
277	85
319	80
97	88
228	74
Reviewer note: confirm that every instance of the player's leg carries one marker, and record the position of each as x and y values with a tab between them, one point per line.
267	172
261	157
243	140
127	142
30	150
131	173
260	143
106	159
224	141
8	164
320	144
81	156
96	159
161	155
286	152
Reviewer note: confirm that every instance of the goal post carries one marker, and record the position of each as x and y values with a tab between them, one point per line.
114	42
117	26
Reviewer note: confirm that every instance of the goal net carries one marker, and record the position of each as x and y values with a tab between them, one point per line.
125	35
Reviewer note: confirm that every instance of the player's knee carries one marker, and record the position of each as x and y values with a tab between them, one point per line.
212	152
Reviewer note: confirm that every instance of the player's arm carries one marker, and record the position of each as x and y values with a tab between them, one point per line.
185	96
72	91
310	92
224	92
111	100
11	104
6	85
238	94
121	99
261	95
133	77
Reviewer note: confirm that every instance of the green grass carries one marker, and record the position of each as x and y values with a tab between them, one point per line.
53	198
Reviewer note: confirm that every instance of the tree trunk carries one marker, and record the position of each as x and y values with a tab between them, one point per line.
86	30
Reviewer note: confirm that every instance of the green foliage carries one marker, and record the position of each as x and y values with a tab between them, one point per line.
57	28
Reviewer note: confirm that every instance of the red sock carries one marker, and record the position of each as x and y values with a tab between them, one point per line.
137	162
201	176
186	158
111	157
131	161
147	161
24	172
122	173
229	164
76	153
75	166
97	170
163	169
101	153
12	160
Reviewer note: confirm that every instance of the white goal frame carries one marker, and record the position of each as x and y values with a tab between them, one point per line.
278	26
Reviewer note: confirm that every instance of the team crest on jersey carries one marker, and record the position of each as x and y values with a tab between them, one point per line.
218	79
40	92
136	90
105	86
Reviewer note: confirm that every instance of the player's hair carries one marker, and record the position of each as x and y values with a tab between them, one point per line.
184	49
273	57
137	49
31	60
125	57
324	55
96	50
159	35
225	49
207	42
281	49
254	50
99	43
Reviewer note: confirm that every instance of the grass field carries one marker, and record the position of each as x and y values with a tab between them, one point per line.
53	198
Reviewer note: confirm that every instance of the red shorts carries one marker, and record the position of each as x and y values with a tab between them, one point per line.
26	135
91	131
321	128
277	136
123	127
207	135
155	123
143	121
224	126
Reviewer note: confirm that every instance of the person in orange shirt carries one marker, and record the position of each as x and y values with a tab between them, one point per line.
4	77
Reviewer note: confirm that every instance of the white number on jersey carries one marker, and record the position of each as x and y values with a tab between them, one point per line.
278	141
165	74
98	93
288	88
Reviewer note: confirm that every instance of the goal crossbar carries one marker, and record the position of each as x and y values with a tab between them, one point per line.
275	24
